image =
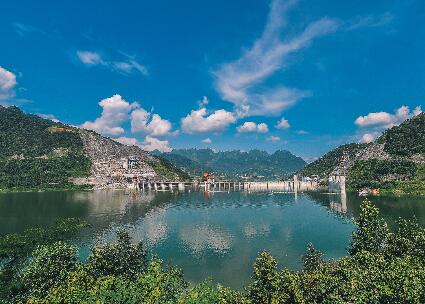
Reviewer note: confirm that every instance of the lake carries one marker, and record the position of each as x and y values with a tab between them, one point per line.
208	234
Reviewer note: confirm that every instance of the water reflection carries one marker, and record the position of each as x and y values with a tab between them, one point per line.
208	234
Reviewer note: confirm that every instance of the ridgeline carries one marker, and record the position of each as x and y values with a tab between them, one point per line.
394	162
40	154
233	164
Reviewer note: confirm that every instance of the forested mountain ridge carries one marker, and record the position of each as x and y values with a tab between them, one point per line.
37	153
255	163
394	162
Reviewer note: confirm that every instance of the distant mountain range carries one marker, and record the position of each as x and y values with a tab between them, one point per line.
37	153
233	164
394	162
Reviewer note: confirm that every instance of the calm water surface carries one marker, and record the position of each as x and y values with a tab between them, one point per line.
217	235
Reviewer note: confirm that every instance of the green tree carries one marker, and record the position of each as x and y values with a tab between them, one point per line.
312	259
372	231
121	258
265	279
49	267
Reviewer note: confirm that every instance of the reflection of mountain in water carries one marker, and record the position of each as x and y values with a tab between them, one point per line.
217	235
391	208
19	211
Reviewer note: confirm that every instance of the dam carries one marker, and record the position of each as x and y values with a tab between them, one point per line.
336	185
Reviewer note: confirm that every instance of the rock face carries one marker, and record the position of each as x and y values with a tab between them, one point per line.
114	165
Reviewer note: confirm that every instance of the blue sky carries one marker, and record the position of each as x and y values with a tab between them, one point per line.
227	74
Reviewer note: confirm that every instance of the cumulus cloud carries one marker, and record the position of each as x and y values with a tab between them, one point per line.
127	66
385	120
203	102
250	127
206	141
282	124
146	122
238	81
376	122
48	116
149	144
199	121
128	141
152	143
273	139
115	111
7	85
367	138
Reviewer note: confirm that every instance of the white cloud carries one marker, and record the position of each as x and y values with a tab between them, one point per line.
273	139
206	141
237	81
23	29
203	103
302	132
149	144
144	122
7	85
128	141
152	143
367	138
90	58
376	122
115	111
128	66
48	116
384	120
250	126
198	121
370	21
262	128
282	124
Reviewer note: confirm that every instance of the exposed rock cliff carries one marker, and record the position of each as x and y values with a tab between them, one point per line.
113	164
37	153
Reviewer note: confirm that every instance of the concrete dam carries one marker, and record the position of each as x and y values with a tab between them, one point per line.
336	185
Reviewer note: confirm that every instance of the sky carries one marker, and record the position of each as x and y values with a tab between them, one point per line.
305	76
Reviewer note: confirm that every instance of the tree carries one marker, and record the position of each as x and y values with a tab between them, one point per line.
312	259
121	258
372	231
49	267
265	279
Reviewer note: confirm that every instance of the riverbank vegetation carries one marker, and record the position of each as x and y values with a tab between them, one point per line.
382	266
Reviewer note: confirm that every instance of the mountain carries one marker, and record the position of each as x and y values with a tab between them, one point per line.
232	164
37	153
394	162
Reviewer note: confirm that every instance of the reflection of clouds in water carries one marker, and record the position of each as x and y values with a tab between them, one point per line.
153	227
111	202
250	230
200	238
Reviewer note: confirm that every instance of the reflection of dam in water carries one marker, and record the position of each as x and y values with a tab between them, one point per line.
338	202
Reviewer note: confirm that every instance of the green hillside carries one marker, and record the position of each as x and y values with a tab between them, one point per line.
406	139
400	167
38	153
326	164
236	163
